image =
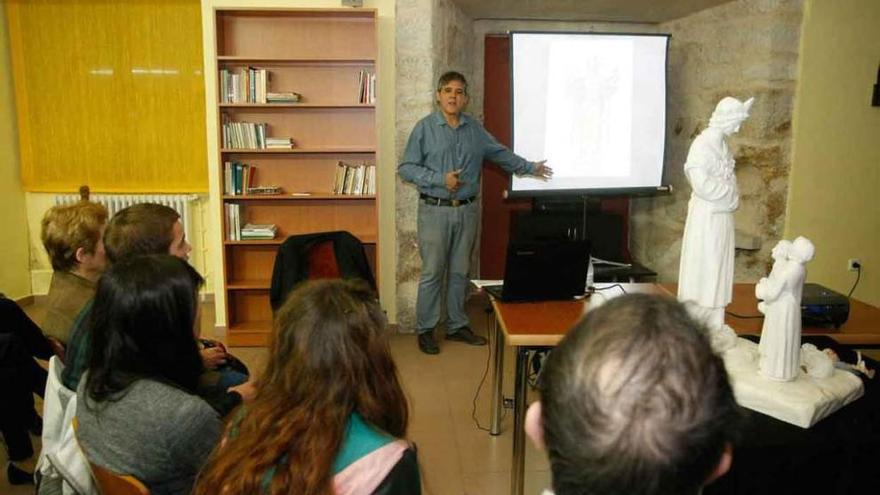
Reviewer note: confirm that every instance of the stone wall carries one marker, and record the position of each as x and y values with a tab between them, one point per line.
743	49
433	36
454	38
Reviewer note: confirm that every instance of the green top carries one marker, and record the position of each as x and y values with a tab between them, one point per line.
76	356
359	440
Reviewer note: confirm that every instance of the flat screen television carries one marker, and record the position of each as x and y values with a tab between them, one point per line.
594	106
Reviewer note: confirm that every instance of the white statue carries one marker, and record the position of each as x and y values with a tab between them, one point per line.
705	278
780	260
816	363
781	292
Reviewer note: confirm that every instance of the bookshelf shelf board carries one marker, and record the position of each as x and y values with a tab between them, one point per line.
255	284
366	239
225	60
295	105
334	149
298	197
249	333
261	242
337	12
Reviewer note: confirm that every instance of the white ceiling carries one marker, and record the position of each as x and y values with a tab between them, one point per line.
651	11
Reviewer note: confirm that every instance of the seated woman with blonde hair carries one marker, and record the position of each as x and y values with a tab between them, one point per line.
73	236
329	415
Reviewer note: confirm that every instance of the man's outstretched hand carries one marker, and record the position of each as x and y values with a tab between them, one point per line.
542	171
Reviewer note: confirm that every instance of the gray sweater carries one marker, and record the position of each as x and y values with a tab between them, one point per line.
157	433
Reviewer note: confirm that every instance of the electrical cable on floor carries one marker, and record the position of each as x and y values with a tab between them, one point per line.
858	276
597	289
483	380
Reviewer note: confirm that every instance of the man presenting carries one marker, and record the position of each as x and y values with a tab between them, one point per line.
443	158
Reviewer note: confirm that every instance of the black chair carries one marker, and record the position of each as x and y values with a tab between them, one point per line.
336	254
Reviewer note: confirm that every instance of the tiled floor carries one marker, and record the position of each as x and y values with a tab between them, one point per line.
455	456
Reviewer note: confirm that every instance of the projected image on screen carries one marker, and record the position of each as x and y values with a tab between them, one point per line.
593	106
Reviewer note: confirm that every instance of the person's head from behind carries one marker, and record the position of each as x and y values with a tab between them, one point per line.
142	325
329	358
634	401
73	238
146	228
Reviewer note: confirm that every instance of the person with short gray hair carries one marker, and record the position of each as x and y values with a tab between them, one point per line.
635	401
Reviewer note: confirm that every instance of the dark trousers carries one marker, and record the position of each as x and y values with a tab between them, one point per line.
20	376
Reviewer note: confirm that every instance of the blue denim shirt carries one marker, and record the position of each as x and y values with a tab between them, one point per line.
435	149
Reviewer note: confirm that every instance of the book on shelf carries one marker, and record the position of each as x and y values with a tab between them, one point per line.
354	179
366	87
253	231
358	186
285	97
238	178
279	143
244	135
264	190
233	221
245	85
252	136
371	180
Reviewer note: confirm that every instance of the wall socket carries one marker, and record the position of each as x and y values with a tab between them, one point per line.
853	264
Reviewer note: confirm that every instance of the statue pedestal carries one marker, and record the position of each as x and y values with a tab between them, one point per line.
803	401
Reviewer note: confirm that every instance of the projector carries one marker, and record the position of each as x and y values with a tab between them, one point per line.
822	307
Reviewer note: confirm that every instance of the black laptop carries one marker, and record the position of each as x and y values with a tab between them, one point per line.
543	271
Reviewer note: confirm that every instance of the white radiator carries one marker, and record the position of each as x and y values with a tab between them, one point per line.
115	202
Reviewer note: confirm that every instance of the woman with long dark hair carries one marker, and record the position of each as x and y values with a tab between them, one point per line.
137	410
329	414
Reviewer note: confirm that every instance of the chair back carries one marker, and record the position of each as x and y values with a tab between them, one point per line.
322	261
57	347
56	408
303	257
110	483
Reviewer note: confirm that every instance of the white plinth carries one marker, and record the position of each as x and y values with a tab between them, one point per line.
803	401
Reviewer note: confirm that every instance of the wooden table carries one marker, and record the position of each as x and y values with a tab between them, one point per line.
862	328
532	326
528	327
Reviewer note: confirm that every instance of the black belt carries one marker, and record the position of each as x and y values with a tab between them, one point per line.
431	200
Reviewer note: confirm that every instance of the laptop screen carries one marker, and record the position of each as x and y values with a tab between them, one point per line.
549	270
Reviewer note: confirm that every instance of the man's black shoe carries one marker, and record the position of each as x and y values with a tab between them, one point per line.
427	344
18	476
464	334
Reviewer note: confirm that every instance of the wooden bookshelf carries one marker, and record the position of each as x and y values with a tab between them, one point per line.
318	53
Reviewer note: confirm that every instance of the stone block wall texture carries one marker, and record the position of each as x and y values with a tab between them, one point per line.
433	36
742	49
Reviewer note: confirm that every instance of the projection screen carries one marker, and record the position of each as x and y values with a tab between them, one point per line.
592	105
